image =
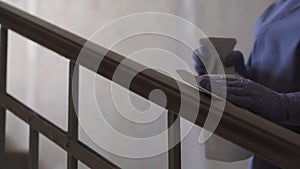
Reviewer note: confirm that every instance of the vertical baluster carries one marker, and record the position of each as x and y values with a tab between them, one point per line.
33	159
174	154
73	107
3	70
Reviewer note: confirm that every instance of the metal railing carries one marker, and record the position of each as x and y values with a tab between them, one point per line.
267	140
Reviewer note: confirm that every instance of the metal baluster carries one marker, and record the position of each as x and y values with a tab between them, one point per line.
3	70
33	159
174	154
73	107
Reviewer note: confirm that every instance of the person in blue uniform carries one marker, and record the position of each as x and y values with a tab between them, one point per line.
270	86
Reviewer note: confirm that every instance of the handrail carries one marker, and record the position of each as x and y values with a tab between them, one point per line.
270	141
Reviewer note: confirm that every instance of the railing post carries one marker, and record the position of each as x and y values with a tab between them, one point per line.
174	154
73	106
33	159
3	70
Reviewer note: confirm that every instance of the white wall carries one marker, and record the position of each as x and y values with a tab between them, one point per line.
43	86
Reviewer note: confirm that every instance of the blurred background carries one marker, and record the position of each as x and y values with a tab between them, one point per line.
43	86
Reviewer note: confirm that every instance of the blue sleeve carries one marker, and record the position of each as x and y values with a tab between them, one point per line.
293	109
268	13
263	17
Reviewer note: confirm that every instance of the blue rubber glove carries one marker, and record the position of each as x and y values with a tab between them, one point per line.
236	59
206	60
252	96
200	52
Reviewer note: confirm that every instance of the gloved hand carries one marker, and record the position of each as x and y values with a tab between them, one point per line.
206	60
236	59
252	96
200	52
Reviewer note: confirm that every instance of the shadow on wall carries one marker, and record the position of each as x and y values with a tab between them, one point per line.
17	160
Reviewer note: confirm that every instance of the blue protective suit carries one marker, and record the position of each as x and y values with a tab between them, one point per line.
275	59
